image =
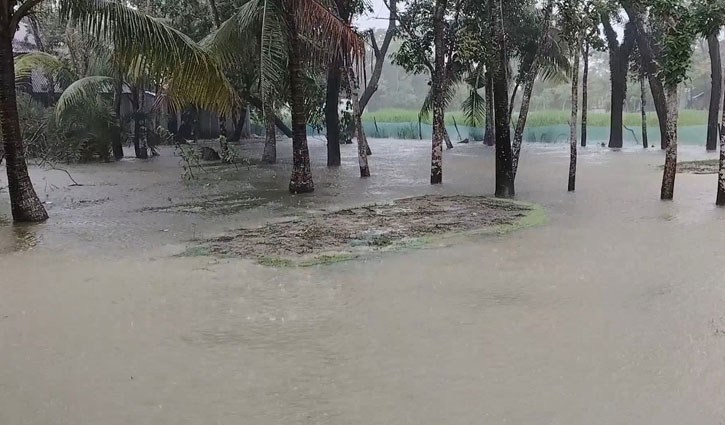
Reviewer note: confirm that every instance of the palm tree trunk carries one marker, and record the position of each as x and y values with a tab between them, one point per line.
643	103
447	137
141	137
720	201
585	90
301	180
332	117
504	157
713	45
488	136
217	24
436	169
529	80
270	144
668	176
362	142
116	143
573	118
24	202
136	123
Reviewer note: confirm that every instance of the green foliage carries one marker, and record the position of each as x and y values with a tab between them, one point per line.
83	135
676	25
709	16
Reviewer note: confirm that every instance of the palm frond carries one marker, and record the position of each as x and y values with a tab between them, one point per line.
555	64
322	26
474	106
274	50
164	52
47	64
237	39
84	91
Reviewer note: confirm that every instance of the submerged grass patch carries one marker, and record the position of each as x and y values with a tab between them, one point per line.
350	233
707	166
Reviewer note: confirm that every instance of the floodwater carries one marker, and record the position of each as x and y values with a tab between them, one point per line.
612	313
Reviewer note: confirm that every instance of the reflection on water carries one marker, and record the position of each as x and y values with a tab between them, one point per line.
19	237
610	313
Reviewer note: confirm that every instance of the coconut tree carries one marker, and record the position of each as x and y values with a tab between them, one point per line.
290	35
137	39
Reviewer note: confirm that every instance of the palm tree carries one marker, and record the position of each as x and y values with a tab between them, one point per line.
280	31
138	40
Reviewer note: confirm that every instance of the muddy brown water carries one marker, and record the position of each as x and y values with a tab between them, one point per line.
613	312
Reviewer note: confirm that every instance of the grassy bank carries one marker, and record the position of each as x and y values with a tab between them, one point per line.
539	118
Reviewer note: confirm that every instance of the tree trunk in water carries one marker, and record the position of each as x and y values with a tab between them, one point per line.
488	136
217	25
529	81
332	118
668	177
246	124
116	143
643	103
301	180
436	168
720	201
141	138
362	142
270	144
136	123
619	84
24	202
521	122
447	137
645	49
585	89
372	84
573	118
504	160
716	74
618	68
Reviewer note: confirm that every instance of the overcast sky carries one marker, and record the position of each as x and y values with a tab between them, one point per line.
377	19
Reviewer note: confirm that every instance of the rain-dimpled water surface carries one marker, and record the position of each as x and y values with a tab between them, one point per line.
613	312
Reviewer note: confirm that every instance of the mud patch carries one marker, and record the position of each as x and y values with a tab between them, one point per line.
707	166
348	233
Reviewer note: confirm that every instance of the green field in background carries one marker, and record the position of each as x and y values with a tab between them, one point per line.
537	118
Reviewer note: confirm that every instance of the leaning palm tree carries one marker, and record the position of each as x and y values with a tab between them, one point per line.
138	40
287	35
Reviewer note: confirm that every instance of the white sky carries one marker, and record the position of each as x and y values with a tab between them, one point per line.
377	19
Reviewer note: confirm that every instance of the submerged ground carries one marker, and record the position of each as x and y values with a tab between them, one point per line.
612	312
